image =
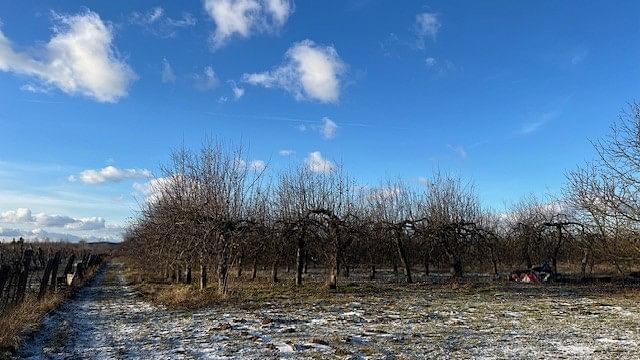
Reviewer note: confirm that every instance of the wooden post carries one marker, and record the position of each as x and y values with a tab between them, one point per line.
5	271
45	279
300	260
24	276
69	268
54	272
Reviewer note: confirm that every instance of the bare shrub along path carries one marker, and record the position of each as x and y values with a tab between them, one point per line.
109	320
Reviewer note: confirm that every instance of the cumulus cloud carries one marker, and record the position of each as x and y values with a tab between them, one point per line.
310	71
110	174
427	25
257	165
24	216
207	80
329	128
154	188
79	59
46	220
316	163
158	23
243	18
88	223
21	215
167	72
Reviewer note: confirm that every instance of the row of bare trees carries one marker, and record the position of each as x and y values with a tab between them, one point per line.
211	211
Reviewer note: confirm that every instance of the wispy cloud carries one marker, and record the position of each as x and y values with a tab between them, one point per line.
531	127
155	21
286	152
329	128
207	80
427	25
167	76
459	150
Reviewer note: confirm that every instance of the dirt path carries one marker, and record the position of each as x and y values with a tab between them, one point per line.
108	320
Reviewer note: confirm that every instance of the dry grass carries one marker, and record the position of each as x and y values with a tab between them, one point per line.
26	317
248	293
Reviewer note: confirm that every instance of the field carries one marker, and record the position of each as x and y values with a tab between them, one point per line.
110	319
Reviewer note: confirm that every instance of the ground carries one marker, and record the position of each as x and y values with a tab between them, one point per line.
110	320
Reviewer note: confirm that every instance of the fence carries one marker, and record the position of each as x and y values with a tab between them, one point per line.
49	268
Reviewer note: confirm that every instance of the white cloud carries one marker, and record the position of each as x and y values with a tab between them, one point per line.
286	152
329	128
459	150
21	215
207	80
46	220
78	59
167	72
244	18
88	223
427	25
257	165
9	232
238	92
384	192
24	216
156	22
309	72
36	89
153	188
280	10
316	163
431	61
110	174
533	126
424	180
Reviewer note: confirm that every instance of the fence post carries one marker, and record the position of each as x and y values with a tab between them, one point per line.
45	279
24	276
54	272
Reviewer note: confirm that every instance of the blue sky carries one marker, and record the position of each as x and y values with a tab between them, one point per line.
94	97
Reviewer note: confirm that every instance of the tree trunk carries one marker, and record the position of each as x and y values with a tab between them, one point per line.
300	261
372	276
335	268
345	272
306	262
404	259
494	261
254	273
274	271
203	277
188	281
456	267
223	271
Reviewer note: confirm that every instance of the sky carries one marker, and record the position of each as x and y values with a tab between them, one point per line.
95	96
